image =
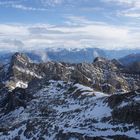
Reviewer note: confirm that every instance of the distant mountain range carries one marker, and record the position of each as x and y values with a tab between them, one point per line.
70	55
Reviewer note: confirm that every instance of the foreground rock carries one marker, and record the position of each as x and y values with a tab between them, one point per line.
61	110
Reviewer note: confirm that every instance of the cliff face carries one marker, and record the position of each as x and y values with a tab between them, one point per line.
104	75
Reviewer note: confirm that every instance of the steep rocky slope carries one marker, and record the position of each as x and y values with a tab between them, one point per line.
104	75
57	110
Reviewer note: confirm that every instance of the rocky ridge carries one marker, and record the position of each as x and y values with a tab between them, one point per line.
104	75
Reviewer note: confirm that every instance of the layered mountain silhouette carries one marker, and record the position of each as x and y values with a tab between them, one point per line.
71	55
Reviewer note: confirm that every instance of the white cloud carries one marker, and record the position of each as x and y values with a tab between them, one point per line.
132	15
88	34
131	7
76	21
135	3
7	29
51	2
133	12
22	7
19	5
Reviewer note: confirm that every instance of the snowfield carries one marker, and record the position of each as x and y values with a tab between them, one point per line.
65	111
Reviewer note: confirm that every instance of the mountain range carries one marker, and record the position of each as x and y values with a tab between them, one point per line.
72	55
56	100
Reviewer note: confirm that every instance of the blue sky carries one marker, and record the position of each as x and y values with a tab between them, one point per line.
33	24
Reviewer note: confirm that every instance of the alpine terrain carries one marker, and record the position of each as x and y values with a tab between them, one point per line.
69	101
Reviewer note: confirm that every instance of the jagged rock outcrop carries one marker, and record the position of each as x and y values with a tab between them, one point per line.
21	71
108	76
